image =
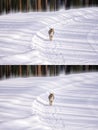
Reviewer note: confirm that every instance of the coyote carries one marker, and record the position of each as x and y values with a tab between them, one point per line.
51	33
51	99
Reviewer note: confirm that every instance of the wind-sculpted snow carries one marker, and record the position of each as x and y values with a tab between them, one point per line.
24	103
24	37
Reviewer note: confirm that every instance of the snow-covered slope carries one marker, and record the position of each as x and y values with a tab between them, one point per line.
24	103
24	37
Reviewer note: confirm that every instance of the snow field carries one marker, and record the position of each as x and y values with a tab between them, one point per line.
24	103
24	37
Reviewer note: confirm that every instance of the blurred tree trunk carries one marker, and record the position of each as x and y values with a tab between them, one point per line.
6	69
20	5
68	69
1	68
39	70
28	5
46	3
0	6
68	4
6	1
39	5
20	70
8	5
46	68
36	70
27	71
87	2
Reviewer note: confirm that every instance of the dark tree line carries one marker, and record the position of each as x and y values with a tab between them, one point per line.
7	71
42	5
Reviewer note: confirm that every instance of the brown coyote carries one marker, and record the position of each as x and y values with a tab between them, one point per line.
51	34
51	99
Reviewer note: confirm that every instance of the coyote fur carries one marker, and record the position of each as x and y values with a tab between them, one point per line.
51	99
51	34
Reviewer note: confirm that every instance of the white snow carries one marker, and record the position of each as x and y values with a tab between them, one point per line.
24	103
24	37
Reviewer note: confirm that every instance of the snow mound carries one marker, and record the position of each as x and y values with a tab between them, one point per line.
24	37
24	103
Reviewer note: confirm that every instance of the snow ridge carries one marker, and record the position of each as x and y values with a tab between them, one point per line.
24	37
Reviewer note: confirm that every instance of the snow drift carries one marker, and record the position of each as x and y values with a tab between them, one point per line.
24	103
24	37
